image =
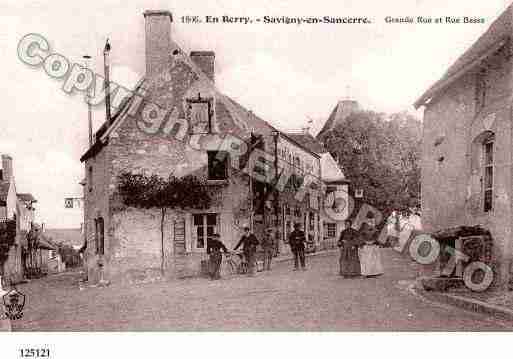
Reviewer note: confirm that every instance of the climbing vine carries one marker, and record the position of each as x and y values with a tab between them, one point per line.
142	191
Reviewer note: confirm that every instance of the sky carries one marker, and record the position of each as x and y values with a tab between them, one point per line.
286	74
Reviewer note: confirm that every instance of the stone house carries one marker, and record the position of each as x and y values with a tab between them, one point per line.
125	243
336	185
21	207
467	144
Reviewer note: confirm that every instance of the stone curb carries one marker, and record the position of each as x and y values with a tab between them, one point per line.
473	305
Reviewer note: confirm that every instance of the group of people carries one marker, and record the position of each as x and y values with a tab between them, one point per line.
359	252
249	243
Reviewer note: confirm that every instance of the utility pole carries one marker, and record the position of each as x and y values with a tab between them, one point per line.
106	69
87	58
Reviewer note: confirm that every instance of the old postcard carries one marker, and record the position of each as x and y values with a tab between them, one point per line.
190	166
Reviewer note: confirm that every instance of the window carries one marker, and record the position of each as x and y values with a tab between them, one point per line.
90	178
200	115
205	225
330	230
488	174
480	89
99	236
217	165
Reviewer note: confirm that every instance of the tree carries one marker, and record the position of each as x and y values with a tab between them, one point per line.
380	154
141	191
7	238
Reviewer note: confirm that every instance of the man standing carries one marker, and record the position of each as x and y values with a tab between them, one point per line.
268	248
249	245
214	247
297	241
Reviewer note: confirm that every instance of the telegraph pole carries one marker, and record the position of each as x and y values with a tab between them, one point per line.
87	59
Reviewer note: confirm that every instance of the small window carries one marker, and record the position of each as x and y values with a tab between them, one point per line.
90	178
99	236
488	175
330	230
200	115
217	165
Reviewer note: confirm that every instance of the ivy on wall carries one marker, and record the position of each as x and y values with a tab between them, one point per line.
142	191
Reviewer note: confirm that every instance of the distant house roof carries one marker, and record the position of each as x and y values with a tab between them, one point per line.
44	242
70	236
331	172
487	44
308	141
340	112
26	197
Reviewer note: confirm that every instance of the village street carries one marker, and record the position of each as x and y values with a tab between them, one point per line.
318	299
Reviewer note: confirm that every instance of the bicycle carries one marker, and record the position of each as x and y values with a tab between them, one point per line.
236	266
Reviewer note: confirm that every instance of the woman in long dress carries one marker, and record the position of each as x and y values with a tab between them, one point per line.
369	253
350	240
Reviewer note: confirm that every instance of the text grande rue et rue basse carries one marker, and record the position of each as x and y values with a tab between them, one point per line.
435	20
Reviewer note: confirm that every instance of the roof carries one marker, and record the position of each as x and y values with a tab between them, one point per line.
70	236
26	197
340	112
243	118
4	190
330	170
44	242
308	141
493	39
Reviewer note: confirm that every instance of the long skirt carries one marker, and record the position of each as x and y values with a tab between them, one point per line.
370	260
349	262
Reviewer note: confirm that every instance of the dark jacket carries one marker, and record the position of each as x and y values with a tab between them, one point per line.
215	245
268	241
349	237
297	239
249	243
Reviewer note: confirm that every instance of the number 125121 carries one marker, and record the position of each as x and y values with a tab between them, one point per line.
34	353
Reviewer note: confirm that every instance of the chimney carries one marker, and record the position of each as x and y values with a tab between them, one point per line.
158	40
205	60
7	167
